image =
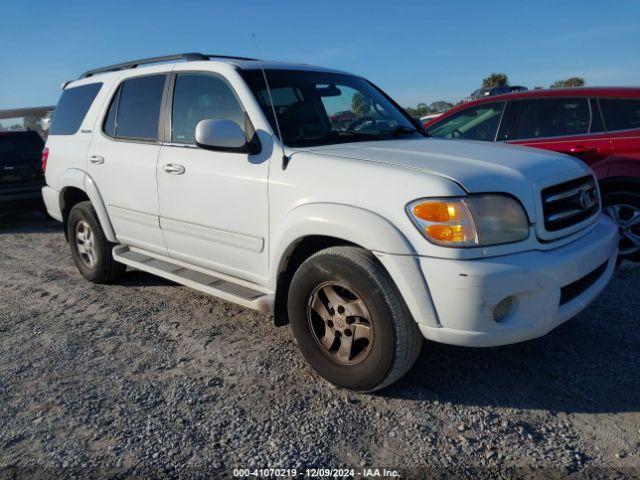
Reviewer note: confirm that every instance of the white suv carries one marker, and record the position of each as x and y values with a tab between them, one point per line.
309	194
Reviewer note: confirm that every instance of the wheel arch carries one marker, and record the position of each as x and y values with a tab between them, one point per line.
617	184
314	227
77	186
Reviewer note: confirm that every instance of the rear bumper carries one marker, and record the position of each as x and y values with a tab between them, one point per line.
51	199
466	292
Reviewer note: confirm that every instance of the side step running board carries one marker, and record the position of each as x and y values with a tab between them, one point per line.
198	278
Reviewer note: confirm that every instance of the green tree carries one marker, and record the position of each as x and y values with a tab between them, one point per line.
569	82
423	109
440	106
413	112
495	80
360	104
419	110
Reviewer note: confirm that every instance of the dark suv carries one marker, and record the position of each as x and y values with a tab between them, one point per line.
600	126
491	91
21	176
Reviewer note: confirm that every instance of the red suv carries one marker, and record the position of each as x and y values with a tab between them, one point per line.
600	126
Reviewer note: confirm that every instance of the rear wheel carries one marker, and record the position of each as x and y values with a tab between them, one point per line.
349	320
624	209
90	248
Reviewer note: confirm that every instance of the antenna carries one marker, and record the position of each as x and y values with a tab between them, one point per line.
285	158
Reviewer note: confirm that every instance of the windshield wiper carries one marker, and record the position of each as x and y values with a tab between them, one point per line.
358	133
402	130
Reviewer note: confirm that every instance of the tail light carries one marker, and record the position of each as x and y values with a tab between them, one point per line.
44	158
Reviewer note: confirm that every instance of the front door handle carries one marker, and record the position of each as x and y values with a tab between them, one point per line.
582	150
96	159
174	169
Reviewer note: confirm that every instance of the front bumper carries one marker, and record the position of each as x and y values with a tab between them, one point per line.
465	292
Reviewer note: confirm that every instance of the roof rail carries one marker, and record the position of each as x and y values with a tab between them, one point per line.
230	57
189	57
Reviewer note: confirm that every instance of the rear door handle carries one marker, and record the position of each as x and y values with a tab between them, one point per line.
96	159
583	150
174	169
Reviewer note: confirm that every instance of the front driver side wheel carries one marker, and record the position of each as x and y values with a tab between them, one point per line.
349	320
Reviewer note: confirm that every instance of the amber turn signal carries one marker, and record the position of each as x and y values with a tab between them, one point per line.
448	233
435	211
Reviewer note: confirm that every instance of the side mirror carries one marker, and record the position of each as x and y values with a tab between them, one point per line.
221	134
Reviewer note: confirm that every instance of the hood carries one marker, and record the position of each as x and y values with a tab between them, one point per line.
476	166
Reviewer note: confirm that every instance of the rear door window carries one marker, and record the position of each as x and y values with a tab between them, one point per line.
553	117
135	109
620	113
475	123
72	108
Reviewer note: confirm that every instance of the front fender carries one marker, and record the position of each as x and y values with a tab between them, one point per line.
367	230
356	225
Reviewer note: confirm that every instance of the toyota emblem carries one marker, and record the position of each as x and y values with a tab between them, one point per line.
585	200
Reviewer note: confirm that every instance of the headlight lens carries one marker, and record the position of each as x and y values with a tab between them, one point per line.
475	220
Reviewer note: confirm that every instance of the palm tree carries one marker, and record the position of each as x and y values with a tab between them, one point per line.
495	80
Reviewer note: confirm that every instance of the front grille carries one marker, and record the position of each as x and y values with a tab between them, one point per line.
569	203
575	289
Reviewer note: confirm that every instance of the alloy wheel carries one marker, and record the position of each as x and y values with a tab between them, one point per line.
340	323
85	244
627	218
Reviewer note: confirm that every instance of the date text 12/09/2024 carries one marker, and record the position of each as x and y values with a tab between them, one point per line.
316	472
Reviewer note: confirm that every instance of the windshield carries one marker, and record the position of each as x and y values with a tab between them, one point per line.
317	108
474	123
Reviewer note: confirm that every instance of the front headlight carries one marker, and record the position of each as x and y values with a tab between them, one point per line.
471	221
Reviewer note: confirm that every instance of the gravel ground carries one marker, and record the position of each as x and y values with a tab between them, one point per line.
160	380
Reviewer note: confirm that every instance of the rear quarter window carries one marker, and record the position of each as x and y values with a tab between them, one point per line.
72	108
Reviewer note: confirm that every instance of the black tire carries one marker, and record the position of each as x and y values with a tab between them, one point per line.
103	268
396	341
627	201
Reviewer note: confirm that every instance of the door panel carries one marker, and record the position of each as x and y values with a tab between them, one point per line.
215	213
127	183
622	120
123	166
594	150
213	204
625	161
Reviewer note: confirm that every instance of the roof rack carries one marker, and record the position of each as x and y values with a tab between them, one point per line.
189	57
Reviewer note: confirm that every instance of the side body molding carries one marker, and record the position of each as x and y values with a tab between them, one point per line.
368	230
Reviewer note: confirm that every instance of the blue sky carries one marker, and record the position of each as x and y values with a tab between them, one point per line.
416	51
